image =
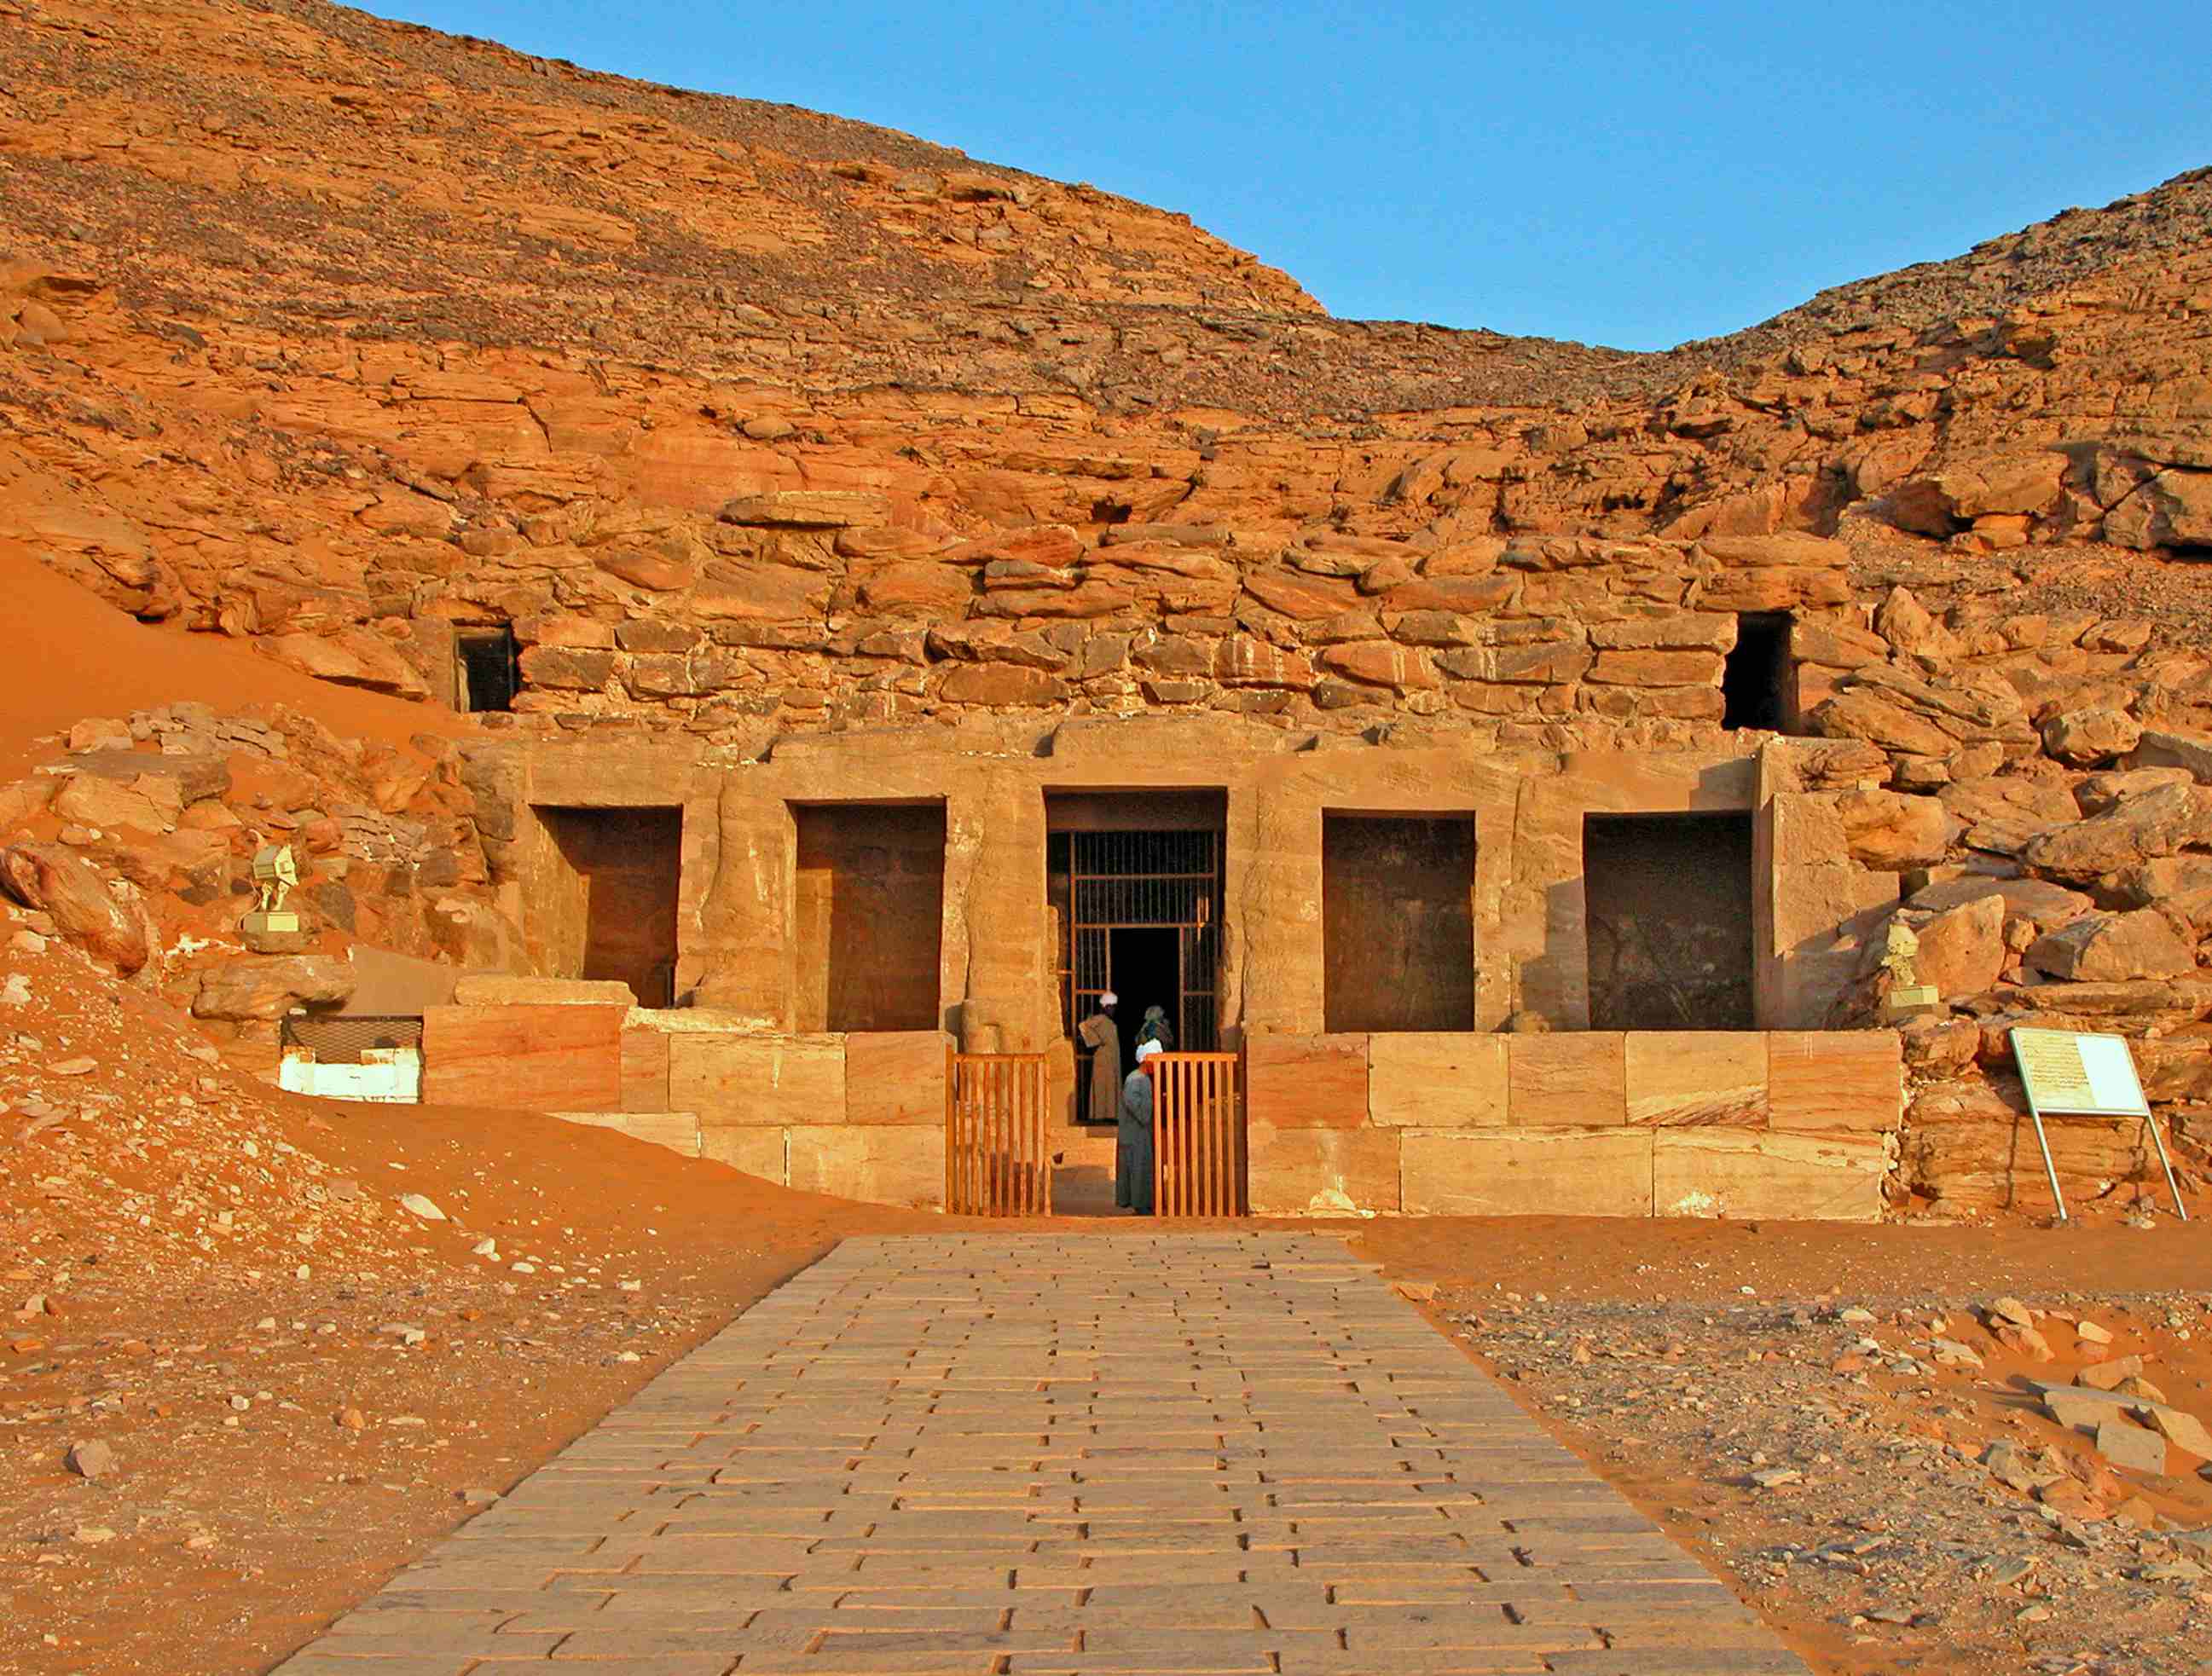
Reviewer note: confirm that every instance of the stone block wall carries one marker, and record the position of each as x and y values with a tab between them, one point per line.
858	1115
1780	1125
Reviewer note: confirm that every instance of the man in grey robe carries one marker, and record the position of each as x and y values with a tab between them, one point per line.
1132	1149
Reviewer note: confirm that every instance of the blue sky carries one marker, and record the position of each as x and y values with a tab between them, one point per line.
1635	175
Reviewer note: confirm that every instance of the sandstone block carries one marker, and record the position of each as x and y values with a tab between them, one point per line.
1789	549
644	1071
676	1131
565	669
1830	1081
1572	1079
741	1079
1521	1172
1436	1079
1700	631
1694	1077
522	1058
1307	1082
1001	684
1321	1172
878	1166
895	1076
1380	664
2113	948
653	572
918	588
1746	1173
752	1151
1654	668
501	989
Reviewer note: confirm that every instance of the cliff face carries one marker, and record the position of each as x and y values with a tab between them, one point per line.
332	333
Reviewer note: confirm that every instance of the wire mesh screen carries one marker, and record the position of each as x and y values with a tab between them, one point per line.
340	1041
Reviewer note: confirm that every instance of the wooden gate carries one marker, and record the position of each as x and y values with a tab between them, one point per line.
998	1160
1198	1136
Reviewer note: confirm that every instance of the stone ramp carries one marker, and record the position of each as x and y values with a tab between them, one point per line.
1188	1453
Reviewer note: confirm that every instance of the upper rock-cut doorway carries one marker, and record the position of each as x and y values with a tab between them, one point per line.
1134	881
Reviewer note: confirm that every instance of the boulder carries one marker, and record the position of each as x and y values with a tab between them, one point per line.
1910	626
1962	952
2109	790
1889	830
2110	948
2179	885
269	986
2158	823
2164	748
809	509
2043	905
2084	739
351	658
148	806
61	884
2173	509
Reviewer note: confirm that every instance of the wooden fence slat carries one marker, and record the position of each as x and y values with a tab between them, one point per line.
997	1158
1198	1137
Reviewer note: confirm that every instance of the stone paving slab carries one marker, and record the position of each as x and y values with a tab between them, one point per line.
997	1454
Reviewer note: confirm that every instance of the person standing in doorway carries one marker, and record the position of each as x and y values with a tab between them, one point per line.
1102	1037
1132	1149
1156	1028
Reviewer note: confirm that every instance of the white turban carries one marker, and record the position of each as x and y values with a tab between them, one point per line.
1147	1049
1109	999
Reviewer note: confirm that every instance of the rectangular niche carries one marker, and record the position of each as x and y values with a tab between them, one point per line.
1397	896
1667	905
486	674
869	916
608	910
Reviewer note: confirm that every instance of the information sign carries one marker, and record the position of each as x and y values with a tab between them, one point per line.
2082	1075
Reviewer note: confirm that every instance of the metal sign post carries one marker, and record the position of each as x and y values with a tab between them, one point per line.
2084	1075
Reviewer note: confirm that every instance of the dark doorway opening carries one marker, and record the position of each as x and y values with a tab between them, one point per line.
1147	963
489	676
1668	907
1134	882
610	911
869	919
1397	922
1755	680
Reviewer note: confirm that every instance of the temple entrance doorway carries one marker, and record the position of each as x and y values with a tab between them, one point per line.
1134	881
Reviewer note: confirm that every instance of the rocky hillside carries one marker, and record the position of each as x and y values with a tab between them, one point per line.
330	332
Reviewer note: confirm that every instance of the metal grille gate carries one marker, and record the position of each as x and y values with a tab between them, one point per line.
1198	1136
998	1160
1142	881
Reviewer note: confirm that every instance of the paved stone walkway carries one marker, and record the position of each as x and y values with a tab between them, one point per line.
1174	1453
